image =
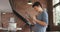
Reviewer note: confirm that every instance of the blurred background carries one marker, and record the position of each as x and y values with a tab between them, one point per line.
22	6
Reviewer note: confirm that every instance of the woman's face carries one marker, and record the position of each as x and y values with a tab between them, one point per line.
37	8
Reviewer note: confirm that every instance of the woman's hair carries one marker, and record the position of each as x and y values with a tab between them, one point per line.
37	4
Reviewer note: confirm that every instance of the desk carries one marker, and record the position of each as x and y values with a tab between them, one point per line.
53	31
9	30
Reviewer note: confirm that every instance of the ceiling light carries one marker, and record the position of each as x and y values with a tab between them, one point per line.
29	2
3	13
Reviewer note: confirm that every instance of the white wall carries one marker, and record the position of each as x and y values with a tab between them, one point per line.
5	6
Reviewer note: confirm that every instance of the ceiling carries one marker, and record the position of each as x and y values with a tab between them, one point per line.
5	6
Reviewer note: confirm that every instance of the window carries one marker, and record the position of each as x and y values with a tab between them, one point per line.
56	12
55	2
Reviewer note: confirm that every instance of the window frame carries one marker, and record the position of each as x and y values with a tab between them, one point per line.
54	12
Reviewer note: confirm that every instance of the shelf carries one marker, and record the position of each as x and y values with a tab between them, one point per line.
10	29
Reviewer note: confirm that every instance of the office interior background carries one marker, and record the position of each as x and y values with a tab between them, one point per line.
8	19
